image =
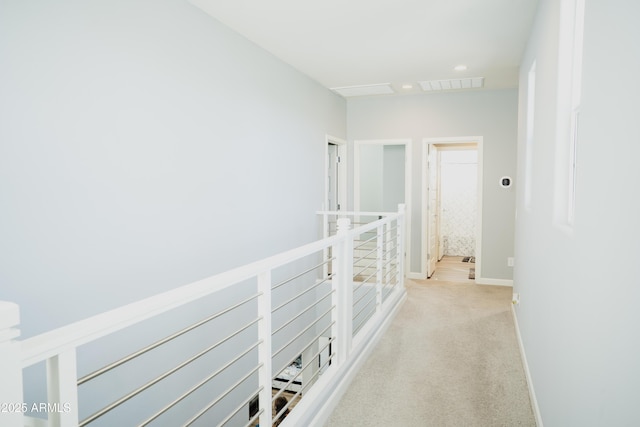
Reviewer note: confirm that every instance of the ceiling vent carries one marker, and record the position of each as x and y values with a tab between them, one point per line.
364	90
452	84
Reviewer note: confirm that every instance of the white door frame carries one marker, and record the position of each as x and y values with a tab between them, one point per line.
407	185
478	141
342	171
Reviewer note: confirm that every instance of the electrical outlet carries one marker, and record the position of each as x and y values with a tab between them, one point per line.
516	298
510	261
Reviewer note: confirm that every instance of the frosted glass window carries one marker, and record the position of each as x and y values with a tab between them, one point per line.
569	84
528	162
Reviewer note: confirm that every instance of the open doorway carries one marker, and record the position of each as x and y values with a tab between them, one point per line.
452	202
336	174
382	178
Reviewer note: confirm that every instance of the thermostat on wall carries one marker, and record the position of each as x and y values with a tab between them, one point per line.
505	182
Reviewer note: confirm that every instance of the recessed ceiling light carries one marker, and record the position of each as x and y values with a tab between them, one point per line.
407	86
460	67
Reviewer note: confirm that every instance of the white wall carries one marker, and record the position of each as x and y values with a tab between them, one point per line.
144	146
490	114
579	290
371	173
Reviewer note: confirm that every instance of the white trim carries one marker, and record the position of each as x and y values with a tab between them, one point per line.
408	178
416	276
478	142
494	282
525	365
342	171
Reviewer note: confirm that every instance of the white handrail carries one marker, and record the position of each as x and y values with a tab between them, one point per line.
48	344
58	347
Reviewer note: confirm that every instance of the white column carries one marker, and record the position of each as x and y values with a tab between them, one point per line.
264	349
401	239
343	287
62	389
380	254
10	367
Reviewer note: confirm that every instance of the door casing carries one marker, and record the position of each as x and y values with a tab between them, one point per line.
477	141
407	183
340	186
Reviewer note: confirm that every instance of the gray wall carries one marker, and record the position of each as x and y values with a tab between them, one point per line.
490	114
144	146
381	177
579	290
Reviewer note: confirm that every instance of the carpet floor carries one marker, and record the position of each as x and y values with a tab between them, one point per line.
449	358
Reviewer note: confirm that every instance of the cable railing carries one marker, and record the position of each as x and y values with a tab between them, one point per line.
219	351
375	260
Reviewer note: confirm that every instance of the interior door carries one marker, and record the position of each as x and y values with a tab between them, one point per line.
432	209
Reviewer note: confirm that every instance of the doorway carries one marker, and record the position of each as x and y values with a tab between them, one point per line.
382	178
336	174
452	201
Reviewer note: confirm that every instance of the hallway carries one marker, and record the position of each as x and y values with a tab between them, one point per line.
449	358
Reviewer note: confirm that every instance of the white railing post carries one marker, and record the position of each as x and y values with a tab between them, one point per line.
62	390
400	252
343	287
380	266
10	367
264	348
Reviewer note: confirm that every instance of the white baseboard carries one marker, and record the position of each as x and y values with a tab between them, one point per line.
416	276
527	373
494	282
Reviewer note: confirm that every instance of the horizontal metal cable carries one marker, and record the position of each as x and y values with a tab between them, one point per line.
315	374
364	320
162	341
222	396
390	246
253	419
305	366
240	407
389	261
368	257
390	271
302	312
367	267
393	268
364	294
390	229
318	372
367	279
355	316
355	289
299	334
365	255
201	383
302	274
364	242
388	284
302	293
307	346
156	380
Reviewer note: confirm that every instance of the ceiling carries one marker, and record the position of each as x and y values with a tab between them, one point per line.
343	43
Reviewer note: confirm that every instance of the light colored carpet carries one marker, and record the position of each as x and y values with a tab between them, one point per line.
449	358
